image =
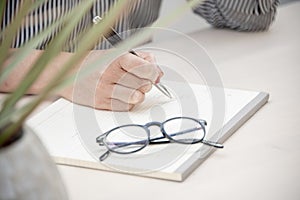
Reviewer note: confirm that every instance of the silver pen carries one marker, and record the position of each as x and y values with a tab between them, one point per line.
159	85
114	38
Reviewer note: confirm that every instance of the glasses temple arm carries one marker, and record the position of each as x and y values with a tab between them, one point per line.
104	155
212	144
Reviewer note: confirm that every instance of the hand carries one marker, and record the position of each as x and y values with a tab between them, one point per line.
119	87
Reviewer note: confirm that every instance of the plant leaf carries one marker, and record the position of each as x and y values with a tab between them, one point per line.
84	47
53	50
10	32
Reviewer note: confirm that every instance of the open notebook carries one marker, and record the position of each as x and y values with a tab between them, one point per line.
69	131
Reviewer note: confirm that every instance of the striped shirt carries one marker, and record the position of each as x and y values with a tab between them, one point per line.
242	15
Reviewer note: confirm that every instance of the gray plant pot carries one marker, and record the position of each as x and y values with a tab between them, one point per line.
28	172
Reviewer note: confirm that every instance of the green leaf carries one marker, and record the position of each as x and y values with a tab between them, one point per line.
53	50
84	46
11	30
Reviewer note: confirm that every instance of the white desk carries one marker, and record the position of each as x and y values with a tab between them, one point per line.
261	160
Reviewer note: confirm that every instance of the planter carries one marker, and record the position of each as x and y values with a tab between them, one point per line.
28	172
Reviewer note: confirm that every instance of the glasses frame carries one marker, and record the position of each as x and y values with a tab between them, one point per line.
101	140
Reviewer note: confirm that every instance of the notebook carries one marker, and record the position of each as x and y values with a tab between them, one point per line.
69	131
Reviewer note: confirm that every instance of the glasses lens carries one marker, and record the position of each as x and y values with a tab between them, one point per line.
184	130
127	139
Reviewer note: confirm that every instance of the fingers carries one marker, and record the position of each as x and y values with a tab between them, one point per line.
121	77
131	81
127	95
122	85
126	80
115	105
151	58
147	56
140	67
117	97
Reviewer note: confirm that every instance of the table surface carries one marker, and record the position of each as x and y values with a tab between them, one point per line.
261	160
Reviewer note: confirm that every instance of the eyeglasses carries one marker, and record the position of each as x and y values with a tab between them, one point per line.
132	138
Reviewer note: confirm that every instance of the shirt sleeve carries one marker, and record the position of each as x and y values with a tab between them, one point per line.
242	15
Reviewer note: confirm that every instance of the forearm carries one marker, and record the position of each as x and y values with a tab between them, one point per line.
19	73
117	85
246	15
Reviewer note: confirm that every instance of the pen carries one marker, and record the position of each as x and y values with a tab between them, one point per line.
159	85
114	37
